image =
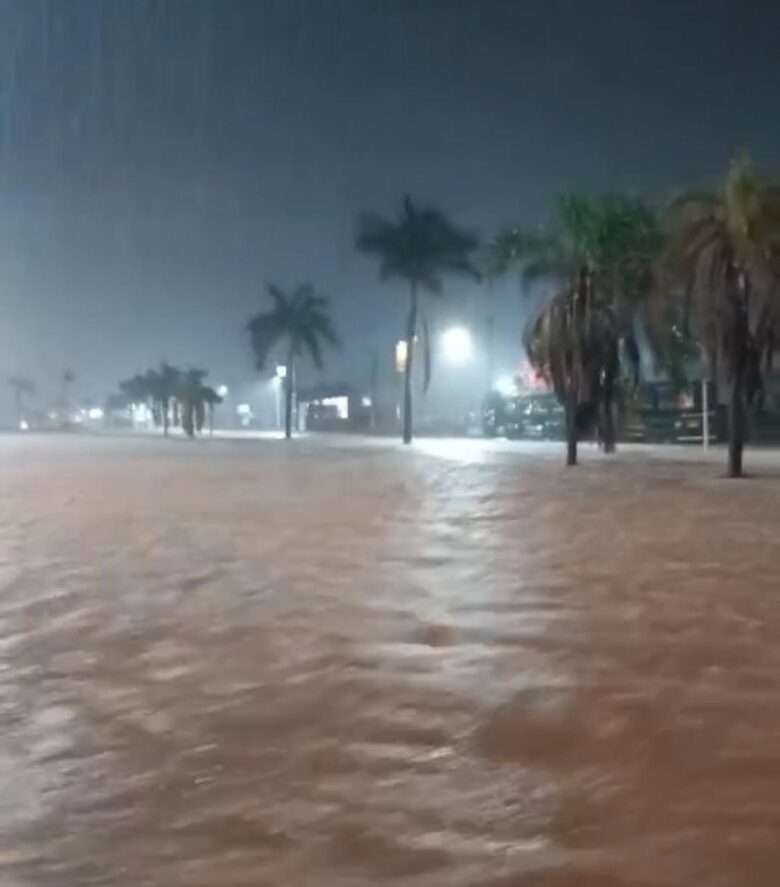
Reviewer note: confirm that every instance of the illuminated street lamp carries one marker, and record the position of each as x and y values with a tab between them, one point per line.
281	371
457	346
505	385
223	391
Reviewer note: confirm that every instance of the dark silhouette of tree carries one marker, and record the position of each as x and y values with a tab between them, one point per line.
211	399
298	321
599	254
22	387
162	386
420	247
725	247
192	395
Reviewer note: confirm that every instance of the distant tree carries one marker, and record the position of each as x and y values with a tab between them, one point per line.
301	323
419	247
725	247
191	394
134	391
598	255
211	399
22	387
162	386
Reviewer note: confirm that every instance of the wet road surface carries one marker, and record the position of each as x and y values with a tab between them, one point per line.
243	663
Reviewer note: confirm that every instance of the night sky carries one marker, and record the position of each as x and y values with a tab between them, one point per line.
161	160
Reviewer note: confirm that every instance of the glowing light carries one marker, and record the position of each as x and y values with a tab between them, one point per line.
95	413
243	409
223	391
365	401
24	425
457	345
281	371
401	353
505	385
341	405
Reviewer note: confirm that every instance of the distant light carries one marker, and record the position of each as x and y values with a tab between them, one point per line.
243	409
401	354
340	404
505	385
457	345
223	391
281	371
24	425
95	413
53	415
365	401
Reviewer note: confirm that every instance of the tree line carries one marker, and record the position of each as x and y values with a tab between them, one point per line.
699	276
175	398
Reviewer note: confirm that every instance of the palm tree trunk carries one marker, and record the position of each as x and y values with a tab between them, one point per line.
571	424
288	398
737	398
211	419
736	424
164	404
411	327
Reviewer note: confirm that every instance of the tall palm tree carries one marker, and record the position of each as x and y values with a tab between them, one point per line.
598	254
300	321
22	387
726	248
419	247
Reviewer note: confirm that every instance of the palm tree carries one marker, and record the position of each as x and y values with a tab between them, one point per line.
162	386
210	397
23	387
599	255
419	247
726	249
301	321
135	390
574	345
192	396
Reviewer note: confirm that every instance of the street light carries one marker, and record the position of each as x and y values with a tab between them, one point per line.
505	385
223	391
457	345
281	371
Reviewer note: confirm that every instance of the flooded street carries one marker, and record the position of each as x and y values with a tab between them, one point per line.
251	664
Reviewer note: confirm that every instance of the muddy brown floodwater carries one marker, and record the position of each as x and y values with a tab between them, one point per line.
243	663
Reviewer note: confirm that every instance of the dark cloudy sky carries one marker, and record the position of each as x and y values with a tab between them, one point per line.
160	160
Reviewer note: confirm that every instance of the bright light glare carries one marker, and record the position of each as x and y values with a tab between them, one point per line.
243	409
401	352
457	345
95	413
281	371
505	385
341	405
223	391
24	425
365	401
